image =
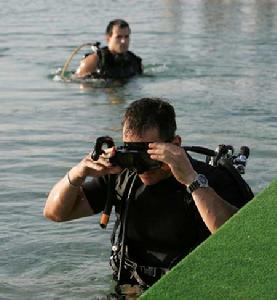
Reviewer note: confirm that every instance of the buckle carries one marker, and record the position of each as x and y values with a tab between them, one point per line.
149	271
152	271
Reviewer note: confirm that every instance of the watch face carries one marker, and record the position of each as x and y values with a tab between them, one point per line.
202	180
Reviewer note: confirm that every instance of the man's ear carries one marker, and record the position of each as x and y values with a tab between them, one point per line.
177	140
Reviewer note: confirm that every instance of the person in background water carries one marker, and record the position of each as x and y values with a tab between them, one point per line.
114	61
163	213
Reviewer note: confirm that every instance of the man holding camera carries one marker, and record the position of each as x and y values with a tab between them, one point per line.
163	210
114	61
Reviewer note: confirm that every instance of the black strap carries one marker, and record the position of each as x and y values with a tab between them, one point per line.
121	211
124	227
109	202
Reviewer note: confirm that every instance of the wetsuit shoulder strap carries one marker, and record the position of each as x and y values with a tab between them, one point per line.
104	56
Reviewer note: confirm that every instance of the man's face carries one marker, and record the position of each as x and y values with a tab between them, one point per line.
118	42
151	135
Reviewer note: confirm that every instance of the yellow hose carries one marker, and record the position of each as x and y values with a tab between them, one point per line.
68	61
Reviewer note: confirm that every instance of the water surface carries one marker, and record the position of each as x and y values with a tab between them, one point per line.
216	62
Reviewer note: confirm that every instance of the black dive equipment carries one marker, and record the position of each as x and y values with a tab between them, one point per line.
134	156
223	153
131	156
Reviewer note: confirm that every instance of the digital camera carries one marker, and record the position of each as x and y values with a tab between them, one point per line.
132	155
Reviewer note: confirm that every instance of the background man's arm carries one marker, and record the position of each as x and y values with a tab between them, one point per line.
88	65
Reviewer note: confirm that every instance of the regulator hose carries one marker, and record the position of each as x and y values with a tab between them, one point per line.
68	61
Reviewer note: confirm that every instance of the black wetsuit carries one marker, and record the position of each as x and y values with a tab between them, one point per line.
117	66
164	224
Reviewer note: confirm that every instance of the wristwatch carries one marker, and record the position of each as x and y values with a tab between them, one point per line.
200	181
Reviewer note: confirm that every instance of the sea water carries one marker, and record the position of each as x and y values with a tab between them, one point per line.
215	60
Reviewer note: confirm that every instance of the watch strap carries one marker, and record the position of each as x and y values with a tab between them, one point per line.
193	186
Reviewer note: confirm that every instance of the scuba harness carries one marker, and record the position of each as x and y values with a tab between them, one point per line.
110	66
116	66
223	157
120	261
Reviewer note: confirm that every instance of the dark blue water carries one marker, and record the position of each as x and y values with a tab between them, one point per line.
215	60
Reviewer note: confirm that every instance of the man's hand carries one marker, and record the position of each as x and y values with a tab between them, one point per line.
96	168
66	201
214	210
176	159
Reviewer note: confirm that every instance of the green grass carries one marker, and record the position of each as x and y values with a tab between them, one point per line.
238	262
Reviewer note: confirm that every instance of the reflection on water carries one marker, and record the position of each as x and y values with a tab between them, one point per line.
113	96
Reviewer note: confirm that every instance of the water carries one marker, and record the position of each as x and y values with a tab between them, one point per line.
215	60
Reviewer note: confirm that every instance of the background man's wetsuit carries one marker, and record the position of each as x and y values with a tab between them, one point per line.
117	66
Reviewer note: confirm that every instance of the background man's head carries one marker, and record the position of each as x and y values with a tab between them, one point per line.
118	36
151	113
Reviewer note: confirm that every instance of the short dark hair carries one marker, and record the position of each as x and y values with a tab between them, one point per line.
117	22
147	113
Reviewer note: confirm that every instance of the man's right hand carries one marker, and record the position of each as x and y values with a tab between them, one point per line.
66	201
95	168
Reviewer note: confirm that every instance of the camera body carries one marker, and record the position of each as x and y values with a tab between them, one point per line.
131	155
